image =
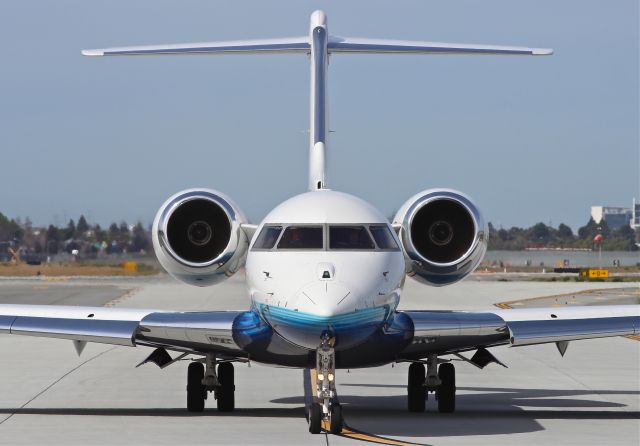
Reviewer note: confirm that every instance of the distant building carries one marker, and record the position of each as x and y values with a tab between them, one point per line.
5	256
614	217
635	215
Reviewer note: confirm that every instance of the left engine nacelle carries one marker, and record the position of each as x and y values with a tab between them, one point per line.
197	237
443	235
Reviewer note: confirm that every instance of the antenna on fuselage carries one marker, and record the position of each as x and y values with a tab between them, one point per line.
318	44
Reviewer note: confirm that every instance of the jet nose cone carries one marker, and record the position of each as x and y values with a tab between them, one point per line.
325	298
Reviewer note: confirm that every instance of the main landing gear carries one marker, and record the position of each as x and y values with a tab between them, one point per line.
441	380
325	406
202	378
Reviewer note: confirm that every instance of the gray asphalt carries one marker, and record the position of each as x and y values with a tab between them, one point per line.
611	296
50	396
55	293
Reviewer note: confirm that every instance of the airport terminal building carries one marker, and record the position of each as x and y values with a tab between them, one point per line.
635	215
615	217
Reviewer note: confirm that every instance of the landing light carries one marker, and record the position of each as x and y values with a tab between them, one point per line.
330	376
321	377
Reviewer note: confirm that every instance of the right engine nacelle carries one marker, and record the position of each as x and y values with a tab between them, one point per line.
197	237
443	235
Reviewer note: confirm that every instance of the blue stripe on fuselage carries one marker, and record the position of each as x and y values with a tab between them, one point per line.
305	328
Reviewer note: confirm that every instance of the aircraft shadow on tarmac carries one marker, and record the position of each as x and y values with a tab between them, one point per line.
491	411
295	412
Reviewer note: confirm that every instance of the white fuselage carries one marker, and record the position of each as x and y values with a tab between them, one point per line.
302	292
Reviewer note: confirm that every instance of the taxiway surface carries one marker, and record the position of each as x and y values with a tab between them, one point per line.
49	395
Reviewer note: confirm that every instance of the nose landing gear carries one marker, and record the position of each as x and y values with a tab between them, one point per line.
328	409
202	378
441	380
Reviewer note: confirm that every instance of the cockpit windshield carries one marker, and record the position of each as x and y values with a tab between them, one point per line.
339	237
349	237
302	237
383	237
267	237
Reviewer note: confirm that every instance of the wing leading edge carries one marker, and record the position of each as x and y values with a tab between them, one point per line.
442	332
210	331
231	333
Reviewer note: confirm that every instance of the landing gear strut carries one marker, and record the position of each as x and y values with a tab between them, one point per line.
441	380
328	408
202	378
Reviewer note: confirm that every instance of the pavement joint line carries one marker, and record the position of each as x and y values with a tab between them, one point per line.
127	295
623	290
56	382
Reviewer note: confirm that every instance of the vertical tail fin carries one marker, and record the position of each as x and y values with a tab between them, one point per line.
318	44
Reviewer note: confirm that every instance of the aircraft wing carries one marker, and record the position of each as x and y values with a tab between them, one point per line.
457	331
210	331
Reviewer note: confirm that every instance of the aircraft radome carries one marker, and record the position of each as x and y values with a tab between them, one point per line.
325	271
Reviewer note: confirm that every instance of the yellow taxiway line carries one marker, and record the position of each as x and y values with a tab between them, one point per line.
349	432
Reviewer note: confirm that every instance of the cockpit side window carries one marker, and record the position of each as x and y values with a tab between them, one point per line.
383	237
349	237
302	237
267	237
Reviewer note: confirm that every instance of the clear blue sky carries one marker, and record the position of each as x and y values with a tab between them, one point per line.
531	139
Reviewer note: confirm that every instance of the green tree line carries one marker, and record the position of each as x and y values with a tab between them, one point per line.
541	235
121	237
80	236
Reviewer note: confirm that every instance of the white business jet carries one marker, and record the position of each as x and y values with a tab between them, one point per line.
325	272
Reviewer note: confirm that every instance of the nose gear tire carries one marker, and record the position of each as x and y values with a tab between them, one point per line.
335	426
315	418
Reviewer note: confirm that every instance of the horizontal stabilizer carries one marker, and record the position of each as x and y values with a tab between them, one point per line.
286	45
301	45
358	45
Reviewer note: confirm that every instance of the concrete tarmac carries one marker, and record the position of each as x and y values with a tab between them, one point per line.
49	395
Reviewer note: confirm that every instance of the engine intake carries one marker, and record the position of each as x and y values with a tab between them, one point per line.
191	227
443	236
197	236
